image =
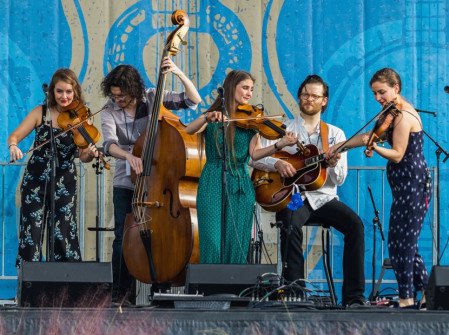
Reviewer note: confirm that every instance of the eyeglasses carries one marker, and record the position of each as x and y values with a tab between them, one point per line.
307	96
121	97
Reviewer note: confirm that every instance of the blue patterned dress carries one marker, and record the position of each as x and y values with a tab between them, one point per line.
240	197
35	199
411	196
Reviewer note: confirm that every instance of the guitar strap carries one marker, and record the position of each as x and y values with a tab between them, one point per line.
324	132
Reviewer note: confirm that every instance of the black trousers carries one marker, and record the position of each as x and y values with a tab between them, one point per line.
123	282
335	214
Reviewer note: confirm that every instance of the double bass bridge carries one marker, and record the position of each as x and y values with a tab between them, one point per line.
149	204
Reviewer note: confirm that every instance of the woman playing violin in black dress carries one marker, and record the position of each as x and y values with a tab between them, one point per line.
407	175
35	189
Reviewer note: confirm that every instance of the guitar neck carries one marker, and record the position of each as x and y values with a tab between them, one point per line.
321	157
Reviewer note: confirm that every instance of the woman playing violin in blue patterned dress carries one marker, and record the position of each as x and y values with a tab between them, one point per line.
409	181
35	189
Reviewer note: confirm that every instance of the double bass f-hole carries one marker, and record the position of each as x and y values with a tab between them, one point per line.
171	204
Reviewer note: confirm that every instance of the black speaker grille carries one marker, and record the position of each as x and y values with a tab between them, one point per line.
57	284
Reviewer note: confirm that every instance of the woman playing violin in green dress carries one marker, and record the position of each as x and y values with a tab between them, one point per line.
241	144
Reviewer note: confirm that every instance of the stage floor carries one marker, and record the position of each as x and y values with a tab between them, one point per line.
275	318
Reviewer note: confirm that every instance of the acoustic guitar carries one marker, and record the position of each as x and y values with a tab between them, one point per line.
273	192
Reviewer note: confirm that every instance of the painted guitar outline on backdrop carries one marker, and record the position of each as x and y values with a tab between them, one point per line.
132	30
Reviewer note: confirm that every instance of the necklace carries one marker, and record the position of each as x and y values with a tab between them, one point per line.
126	127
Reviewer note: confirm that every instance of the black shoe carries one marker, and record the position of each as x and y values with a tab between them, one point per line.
354	303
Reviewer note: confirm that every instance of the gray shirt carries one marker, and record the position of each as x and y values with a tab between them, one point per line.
121	128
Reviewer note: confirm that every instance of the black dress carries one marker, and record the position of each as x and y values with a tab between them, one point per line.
411	196
35	199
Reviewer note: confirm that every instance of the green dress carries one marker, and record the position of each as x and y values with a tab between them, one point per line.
240	197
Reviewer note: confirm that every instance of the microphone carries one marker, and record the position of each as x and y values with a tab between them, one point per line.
220	91
45	90
426	112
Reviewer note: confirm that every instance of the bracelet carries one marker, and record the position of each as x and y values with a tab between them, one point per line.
205	118
276	147
9	146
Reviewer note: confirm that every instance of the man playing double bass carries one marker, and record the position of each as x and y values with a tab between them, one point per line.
321	205
125	119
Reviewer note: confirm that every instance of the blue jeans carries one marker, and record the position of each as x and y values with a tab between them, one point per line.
122	279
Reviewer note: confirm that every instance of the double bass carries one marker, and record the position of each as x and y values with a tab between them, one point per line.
160	235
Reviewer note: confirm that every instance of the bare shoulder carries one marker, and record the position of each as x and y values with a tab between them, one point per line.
411	117
35	115
36	111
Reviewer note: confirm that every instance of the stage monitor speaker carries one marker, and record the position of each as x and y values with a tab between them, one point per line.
437	292
209	279
65	284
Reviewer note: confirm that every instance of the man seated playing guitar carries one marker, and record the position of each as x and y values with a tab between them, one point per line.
320	204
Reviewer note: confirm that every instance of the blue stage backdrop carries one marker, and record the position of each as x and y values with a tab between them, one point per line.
279	41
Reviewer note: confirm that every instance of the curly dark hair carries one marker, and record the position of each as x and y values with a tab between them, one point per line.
69	77
315	79
127	78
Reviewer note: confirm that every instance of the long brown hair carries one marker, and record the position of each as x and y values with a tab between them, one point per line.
230	83
69	77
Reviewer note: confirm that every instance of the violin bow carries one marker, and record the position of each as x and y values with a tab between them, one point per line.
63	132
342	147
275	116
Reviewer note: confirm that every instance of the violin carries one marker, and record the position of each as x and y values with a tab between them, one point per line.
386	117
252	117
73	118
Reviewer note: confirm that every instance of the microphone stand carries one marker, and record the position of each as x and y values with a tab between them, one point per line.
223	175
438	153
53	160
426	112
376	222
